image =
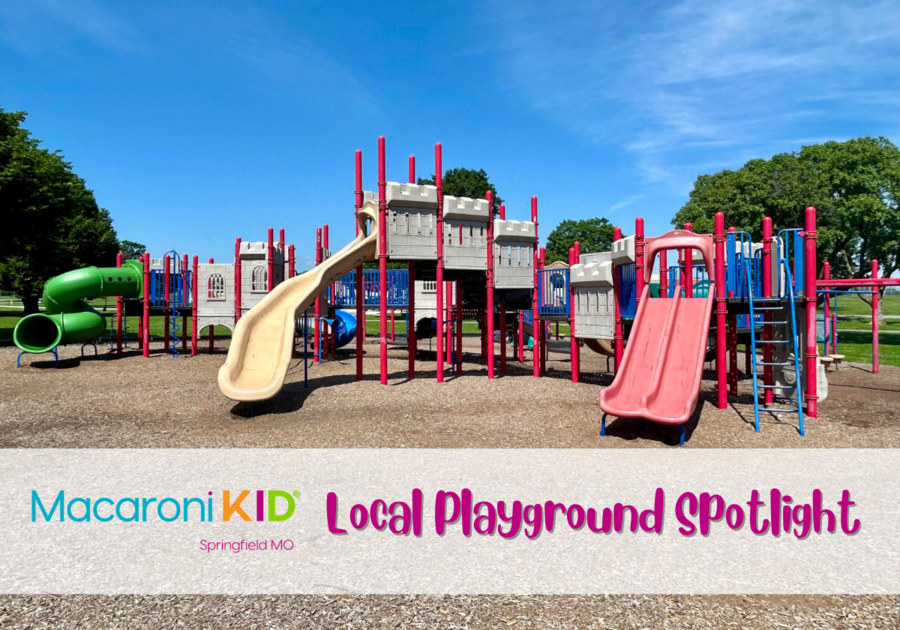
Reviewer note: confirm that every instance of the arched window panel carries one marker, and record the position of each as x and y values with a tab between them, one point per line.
259	279
215	287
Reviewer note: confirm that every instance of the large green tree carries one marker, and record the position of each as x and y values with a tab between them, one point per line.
131	250
854	186
593	235
465	182
51	221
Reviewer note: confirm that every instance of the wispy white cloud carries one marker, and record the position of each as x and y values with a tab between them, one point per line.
35	25
701	78
281	52
243	38
623	204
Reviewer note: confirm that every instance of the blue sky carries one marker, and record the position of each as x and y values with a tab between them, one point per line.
197	122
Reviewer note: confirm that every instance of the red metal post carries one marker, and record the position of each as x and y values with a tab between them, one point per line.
194	322
326	246
360	293
317	312
439	288
721	311
119	312
458	367
167	279
689	268
663	274
619	333
768	374
577	246
545	326
638	259
875	297
281	248
146	315
292	262
448	318
535	315
573	342
503	336
490	283
503	305
238	299
732	348
270	259
184	302
826	275
521	336
411	347
382	259
212	328
809	246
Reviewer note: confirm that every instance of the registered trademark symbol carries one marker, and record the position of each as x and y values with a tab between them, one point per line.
297	493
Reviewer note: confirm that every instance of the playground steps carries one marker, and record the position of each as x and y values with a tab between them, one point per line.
785	313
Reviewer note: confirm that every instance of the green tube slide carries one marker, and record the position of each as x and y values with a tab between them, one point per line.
67	318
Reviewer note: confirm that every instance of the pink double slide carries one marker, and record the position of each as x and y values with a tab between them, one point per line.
659	378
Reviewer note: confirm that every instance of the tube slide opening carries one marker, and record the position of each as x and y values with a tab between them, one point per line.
37	333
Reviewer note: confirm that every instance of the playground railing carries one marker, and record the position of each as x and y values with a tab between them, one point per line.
627	291
553	292
179	288
397	289
740	260
788	247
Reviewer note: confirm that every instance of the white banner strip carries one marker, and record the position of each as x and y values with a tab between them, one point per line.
450	521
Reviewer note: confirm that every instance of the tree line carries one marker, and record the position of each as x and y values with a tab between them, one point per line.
52	222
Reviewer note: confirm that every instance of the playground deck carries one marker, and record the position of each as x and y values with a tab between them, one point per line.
129	402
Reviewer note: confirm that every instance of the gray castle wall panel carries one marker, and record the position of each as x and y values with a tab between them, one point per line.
514	265
596	257
595	312
465	245
412	233
211	306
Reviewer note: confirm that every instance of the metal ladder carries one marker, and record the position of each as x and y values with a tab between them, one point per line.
760	304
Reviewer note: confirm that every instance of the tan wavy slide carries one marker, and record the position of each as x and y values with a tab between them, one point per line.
263	340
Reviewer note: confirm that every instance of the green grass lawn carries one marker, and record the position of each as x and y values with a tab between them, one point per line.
856	346
852	305
157	327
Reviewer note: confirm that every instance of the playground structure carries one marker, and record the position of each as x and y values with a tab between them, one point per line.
166	286
465	260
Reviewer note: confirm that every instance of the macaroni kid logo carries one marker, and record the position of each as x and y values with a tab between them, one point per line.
266	505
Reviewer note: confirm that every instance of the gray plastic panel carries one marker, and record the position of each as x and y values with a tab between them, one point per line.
465	245
412	233
595	312
411	195
595	257
208	301
204	321
507	231
623	251
253	250
592	274
466	209
514	264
